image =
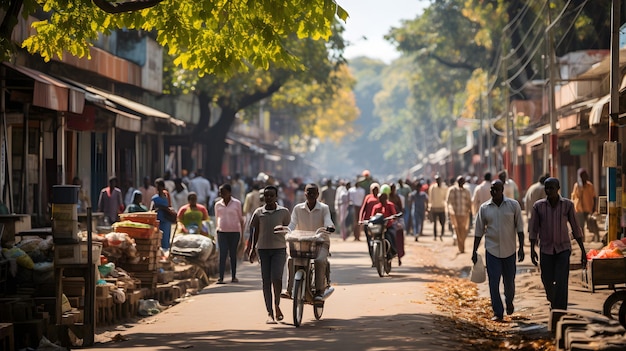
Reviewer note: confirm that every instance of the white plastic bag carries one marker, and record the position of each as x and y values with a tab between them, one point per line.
478	273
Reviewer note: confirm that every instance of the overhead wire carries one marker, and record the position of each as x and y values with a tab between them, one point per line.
531	56
580	9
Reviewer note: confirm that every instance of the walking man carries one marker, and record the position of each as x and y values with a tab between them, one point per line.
459	204
548	224
498	220
437	196
584	198
535	192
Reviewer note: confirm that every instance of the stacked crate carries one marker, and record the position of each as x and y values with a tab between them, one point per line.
147	243
65	214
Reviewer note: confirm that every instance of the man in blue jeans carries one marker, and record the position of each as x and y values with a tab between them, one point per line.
498	220
548	224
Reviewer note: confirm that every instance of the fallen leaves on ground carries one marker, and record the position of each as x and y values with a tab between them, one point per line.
471	316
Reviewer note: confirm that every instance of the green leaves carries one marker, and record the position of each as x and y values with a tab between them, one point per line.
218	37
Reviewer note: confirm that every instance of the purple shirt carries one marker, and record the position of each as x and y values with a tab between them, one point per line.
549	225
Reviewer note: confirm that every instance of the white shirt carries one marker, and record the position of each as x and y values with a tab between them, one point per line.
310	220
202	187
357	195
499	225
482	193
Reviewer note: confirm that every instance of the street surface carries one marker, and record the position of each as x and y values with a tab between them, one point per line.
365	312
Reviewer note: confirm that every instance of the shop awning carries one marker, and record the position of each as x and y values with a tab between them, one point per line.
597	110
537	135
416	168
126	121
595	116
136	107
51	93
131	108
439	157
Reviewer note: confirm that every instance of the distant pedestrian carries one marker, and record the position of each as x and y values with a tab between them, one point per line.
459	204
437	204
482	193
110	201
357	195
179	195
342	203
272	249
498	220
161	203
202	187
398	202
147	191
136	205
419	202
534	193
327	196
584	198
83	199
548	226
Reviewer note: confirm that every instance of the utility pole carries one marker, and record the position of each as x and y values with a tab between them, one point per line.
553	157
481	165
614	174
505	88
489	142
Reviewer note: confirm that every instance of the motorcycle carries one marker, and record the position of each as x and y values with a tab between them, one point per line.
376	226
304	247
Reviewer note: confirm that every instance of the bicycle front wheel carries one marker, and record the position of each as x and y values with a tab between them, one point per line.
298	301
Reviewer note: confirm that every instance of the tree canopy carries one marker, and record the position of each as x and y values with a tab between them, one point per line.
217	37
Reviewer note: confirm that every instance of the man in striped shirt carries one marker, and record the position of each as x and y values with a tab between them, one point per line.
459	203
548	224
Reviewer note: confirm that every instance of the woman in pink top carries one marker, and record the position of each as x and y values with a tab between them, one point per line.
229	217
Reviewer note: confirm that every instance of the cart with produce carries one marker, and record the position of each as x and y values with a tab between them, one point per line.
606	269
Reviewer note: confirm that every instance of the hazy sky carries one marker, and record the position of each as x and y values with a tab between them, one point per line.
373	19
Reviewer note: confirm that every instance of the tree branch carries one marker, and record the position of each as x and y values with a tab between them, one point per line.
10	19
129	6
461	65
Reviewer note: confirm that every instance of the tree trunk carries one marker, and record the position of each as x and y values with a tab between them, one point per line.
214	141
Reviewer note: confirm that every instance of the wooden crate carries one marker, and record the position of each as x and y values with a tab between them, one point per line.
604	273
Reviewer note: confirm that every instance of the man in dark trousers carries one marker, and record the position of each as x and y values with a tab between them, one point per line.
548	224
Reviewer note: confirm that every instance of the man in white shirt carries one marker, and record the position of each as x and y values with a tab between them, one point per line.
202	187
356	195
310	216
482	193
437	204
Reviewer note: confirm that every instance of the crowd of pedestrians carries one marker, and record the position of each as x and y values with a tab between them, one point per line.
245	212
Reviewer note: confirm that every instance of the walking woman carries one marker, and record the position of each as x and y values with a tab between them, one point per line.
161	202
272	248
229	217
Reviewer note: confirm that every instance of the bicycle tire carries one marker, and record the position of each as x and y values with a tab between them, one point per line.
298	301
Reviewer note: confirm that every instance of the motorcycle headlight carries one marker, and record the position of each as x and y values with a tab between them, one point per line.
375	228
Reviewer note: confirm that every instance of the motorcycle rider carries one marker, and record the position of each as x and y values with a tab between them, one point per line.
309	216
386	208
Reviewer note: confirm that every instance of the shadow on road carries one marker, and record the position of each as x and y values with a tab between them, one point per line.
392	332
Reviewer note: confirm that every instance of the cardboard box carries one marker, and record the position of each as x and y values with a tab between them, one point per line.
76	253
64	212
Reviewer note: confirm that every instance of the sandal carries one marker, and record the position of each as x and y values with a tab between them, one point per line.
279	314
